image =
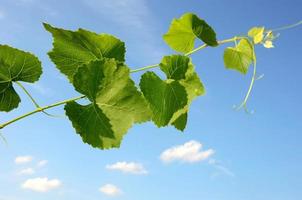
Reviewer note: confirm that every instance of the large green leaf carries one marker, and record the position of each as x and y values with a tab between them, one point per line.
183	32
74	48
239	57
115	103
181	69
164	97
15	65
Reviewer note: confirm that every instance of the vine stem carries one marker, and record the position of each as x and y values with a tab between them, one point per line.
28	94
189	53
42	109
288	26
244	102
32	99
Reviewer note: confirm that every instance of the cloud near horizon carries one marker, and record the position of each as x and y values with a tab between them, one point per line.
23	159
42	163
110	190
27	171
128	167
41	184
189	152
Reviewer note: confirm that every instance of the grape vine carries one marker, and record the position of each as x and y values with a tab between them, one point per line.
95	65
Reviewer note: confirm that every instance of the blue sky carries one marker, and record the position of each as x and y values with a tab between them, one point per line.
230	155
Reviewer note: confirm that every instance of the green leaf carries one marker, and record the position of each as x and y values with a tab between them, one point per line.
183	32
115	103
181	122
15	65
169	100
175	66
91	123
74	48
256	33
164	97
239	57
181	69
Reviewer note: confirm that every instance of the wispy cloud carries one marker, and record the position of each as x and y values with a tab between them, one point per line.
137	19
2	14
189	152
27	171
23	159
110	190
8	197
42	163
128	167
41	184
221	169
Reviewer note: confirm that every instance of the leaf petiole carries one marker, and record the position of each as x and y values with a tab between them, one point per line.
32	99
41	109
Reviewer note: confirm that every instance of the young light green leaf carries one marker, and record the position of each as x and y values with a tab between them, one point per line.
183	32
115	103
268	44
257	34
74	48
164	98
181	69
239	57
15	65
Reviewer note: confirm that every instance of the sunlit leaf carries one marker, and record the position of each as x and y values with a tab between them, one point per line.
257	33
170	99
239	57
184	31
15	65
71	49
181	69
115	106
164	97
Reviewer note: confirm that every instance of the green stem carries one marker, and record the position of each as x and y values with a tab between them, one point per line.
244	102
288	27
189	53
196	49
144	68
28	94
32	99
41	110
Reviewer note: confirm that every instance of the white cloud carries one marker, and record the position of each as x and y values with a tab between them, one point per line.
42	163
128	167
110	190
41	184
27	171
23	159
189	152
